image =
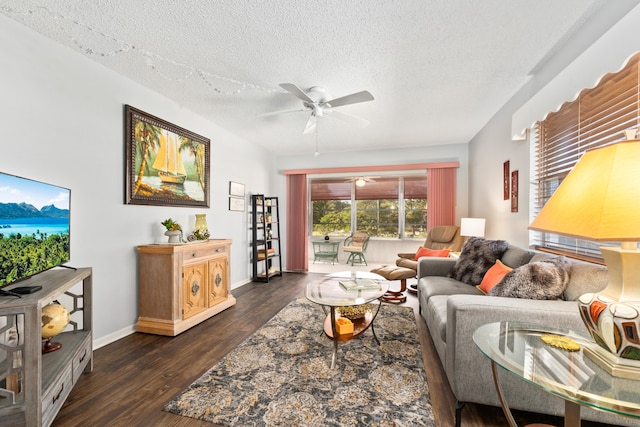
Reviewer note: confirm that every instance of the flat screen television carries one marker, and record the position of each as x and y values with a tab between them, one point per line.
34	227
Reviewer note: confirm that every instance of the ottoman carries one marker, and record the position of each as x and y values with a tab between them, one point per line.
392	272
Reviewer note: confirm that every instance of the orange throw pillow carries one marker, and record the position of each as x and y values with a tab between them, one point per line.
493	276
431	252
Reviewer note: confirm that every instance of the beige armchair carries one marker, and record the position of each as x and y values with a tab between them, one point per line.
439	237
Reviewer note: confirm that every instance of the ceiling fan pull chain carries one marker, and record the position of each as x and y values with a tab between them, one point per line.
317	131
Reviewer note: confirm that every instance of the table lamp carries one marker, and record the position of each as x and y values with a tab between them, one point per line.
599	200
472	227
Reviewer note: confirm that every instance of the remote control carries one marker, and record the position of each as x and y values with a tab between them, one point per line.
22	290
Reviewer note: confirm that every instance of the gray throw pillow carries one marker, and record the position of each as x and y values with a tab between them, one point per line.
477	256
544	280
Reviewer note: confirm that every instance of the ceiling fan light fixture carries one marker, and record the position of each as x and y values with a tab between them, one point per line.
360	182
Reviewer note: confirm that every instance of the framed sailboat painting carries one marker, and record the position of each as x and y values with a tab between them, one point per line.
166	165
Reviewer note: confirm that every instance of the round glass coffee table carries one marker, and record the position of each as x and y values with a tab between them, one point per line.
519	348
347	289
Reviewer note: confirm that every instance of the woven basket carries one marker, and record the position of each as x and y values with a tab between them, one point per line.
355	311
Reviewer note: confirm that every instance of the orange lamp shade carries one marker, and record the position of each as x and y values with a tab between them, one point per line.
600	198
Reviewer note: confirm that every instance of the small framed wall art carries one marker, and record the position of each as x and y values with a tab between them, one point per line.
505	180
236	189
514	191
236	204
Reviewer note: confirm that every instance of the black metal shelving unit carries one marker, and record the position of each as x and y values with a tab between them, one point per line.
265	225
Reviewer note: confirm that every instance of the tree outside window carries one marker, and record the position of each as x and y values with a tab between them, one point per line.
331	218
378	218
415	218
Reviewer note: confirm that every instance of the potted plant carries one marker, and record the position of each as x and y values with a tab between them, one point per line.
174	230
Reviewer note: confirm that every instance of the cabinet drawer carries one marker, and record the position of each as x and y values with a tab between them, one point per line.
81	358
55	395
197	254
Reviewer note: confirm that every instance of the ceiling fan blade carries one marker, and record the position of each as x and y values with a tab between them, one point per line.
311	124
282	112
296	91
354	98
349	118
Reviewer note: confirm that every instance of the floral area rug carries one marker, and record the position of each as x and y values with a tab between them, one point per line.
281	376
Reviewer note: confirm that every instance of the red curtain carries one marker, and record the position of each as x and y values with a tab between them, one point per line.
297	223
441	198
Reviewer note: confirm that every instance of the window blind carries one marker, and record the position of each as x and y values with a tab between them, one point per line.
596	118
415	187
330	189
379	189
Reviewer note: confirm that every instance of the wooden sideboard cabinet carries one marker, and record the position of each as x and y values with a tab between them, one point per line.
33	386
179	286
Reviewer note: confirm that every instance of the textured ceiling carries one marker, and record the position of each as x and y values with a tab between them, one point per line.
439	69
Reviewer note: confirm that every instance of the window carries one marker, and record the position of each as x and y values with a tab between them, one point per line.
377	207
596	118
391	207
331	207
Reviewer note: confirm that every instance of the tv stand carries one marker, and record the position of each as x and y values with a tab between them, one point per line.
33	385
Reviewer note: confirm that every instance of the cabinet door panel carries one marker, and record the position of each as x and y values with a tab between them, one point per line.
218	283
194	289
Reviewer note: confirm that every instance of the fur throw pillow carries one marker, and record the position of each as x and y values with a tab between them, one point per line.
546	279
477	256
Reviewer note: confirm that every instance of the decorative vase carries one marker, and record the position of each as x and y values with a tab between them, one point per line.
174	235
201	232
201	222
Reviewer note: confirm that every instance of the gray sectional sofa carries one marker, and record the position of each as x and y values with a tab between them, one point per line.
453	310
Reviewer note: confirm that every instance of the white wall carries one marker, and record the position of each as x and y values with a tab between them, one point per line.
62	122
612	30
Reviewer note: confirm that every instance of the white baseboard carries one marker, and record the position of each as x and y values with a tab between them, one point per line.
241	283
115	336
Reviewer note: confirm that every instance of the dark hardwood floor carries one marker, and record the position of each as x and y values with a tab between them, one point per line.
135	376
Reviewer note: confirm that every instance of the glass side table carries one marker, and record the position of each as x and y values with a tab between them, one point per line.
328	293
518	348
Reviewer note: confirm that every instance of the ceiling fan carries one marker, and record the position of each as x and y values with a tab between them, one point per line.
317	102
361	181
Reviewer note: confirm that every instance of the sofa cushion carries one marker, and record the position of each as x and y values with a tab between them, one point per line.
545	279
437	312
585	277
493	276
478	255
431	252
514	256
438	285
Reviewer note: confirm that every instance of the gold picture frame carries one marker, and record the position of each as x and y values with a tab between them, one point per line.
166	165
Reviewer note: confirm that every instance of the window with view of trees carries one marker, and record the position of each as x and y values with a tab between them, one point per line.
391	207
595	119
